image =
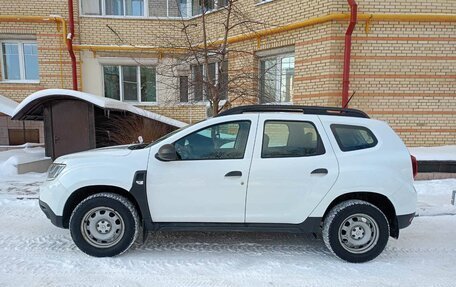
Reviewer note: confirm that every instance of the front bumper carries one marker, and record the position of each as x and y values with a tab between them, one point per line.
56	220
405	220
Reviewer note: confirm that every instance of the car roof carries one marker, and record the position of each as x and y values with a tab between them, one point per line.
312	110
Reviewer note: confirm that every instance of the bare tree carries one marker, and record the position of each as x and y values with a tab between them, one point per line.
206	54
202	54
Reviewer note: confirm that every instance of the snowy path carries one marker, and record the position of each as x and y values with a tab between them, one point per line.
35	253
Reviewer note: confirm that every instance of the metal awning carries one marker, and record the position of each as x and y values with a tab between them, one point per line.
31	108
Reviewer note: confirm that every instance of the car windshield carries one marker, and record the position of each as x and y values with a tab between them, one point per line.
171	134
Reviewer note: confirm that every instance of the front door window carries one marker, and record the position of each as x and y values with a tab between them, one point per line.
221	141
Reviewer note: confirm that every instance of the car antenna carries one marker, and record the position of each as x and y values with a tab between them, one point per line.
346	105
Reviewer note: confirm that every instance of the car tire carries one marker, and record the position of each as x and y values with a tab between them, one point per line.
104	225
355	231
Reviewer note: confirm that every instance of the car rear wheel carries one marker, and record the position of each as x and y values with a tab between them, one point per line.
356	231
104	225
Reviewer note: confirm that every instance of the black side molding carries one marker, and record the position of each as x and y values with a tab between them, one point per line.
310	225
139	192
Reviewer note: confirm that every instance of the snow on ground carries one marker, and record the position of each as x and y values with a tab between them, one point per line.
434	197
33	252
434	153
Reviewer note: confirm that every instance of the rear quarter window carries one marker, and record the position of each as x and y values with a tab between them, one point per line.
350	138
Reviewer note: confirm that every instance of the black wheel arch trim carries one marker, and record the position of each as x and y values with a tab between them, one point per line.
377	199
405	220
139	192
55	219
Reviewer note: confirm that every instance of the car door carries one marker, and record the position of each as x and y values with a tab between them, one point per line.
208	183
293	167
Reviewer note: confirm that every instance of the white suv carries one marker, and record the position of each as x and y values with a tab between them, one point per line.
252	168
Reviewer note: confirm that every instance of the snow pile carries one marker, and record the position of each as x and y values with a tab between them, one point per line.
434	153
9	167
11	158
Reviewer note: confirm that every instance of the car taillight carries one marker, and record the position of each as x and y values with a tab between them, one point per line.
414	166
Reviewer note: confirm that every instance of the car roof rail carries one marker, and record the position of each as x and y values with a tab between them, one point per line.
312	110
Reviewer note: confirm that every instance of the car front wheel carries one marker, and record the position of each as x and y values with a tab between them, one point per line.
104	225
356	231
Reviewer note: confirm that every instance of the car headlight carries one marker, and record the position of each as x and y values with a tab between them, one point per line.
54	170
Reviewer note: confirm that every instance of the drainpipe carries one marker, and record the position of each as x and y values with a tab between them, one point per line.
347	52
70	37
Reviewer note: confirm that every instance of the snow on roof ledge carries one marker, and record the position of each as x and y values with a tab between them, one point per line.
102	102
7	106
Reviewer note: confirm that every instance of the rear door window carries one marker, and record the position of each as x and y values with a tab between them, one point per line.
290	139
350	138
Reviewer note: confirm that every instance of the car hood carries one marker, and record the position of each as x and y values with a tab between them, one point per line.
108	152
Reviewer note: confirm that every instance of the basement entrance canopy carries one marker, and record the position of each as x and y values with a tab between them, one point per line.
7	106
31	107
76	121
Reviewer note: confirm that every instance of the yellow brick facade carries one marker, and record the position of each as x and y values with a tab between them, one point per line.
402	72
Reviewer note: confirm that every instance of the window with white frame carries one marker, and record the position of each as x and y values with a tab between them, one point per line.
169	8
130	83
276	78
152	8
209	5
20	61
217	72
113	7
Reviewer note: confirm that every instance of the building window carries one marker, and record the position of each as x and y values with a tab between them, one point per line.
113	7
276	78
91	7
152	8
183	89
19	61
130	83
217	72
209	5
169	8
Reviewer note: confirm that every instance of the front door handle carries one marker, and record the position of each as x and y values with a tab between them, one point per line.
234	173
320	171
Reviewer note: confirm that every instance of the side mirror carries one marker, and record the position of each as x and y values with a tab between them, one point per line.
167	152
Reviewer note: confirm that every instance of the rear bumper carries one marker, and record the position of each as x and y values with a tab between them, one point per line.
405	220
56	220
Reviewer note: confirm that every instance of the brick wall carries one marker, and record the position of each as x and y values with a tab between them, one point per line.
183	112
53	60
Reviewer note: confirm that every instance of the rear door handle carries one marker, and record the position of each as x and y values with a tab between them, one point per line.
234	173
320	171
